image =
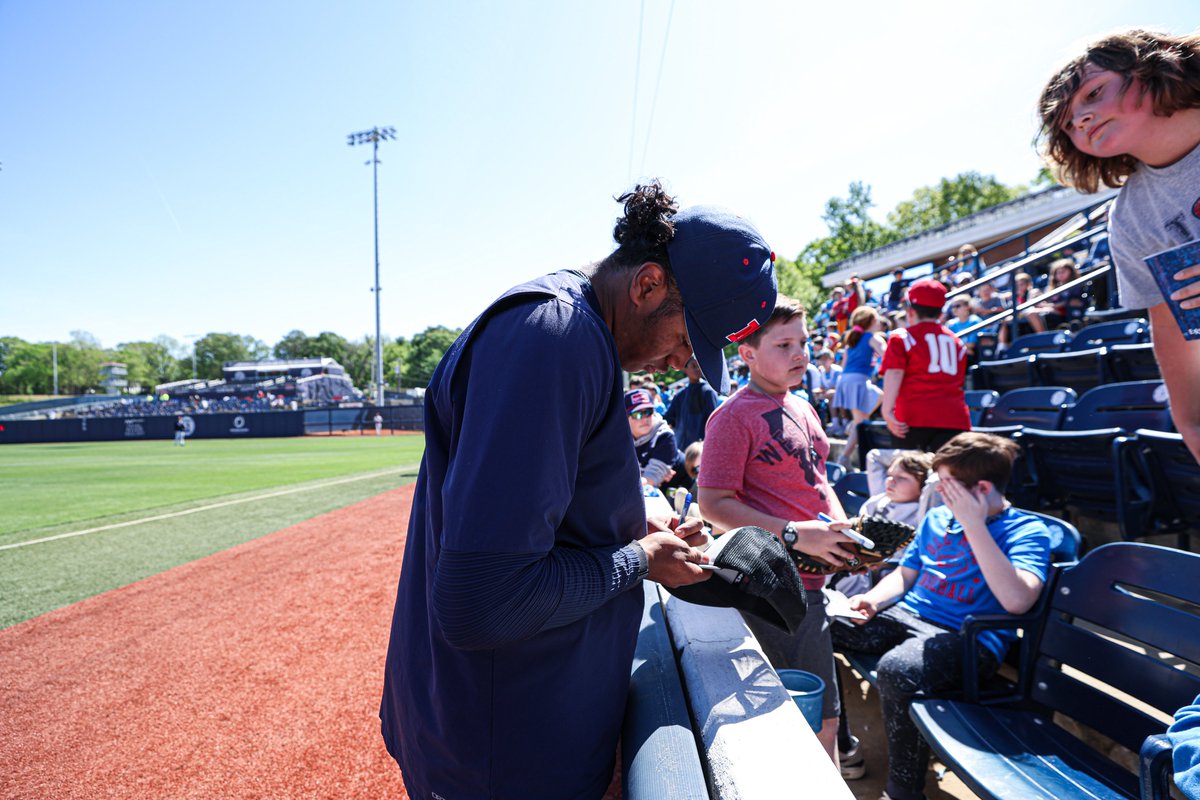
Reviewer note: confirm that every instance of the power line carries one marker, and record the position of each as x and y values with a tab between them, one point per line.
657	82
637	79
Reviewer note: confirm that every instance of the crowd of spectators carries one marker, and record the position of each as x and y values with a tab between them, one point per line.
166	406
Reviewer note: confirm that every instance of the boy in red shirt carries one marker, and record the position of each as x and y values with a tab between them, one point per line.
764	465
924	368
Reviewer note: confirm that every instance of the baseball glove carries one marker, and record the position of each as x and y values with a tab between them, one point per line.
888	536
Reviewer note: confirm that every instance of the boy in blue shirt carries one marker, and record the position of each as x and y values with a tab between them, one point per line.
974	555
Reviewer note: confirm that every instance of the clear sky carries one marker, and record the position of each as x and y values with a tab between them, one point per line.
181	168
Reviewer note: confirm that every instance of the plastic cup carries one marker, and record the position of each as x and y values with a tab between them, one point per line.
808	691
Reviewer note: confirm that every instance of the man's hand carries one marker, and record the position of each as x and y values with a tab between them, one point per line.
691	530
1190	294
859	602
672	561
824	540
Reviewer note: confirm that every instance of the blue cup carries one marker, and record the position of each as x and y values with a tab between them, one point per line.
808	691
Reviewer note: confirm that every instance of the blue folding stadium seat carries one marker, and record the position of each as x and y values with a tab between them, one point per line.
1033	343
979	401
1065	540
1079	369
852	490
873	435
1002	375
1159	486
1132	362
1075	466
1035	406
834	471
1104	334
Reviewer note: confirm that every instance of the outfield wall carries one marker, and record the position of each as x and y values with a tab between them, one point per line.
107	429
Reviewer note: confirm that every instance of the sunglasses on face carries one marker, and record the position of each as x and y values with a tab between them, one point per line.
649	412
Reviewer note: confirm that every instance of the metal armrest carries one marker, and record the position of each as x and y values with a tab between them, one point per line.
1154	767
970	630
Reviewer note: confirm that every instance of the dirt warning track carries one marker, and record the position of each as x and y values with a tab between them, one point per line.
251	673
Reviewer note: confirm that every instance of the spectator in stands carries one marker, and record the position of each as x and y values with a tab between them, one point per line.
650	386
825	385
837	308
519	598
1059	307
691	406
659	458
989	303
856	391
962	318
895	297
1147	86
924	368
1026	291
693	457
975	555
764	465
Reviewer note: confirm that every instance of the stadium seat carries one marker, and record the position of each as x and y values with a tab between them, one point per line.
1079	369
1065	541
1132	362
1138	404
1035	406
1002	375
852	490
979	401
834	471
873	435
1103	334
1159	486
1034	343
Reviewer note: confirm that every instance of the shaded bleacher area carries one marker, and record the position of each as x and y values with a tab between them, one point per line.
156	407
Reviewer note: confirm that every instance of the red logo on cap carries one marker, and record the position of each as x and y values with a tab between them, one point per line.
737	336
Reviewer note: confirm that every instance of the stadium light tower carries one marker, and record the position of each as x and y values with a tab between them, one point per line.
374	137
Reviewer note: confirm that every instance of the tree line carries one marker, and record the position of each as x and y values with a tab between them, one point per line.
28	367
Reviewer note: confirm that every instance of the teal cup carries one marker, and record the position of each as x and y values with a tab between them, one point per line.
808	691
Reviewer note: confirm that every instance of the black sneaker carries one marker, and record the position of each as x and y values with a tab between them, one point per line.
852	763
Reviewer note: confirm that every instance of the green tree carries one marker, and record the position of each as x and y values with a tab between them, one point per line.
79	363
27	368
851	231
294	344
948	200
424	353
151	363
214	349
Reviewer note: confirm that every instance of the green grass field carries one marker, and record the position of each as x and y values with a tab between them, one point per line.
207	496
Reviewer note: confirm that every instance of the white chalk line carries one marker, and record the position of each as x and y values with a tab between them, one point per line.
209	507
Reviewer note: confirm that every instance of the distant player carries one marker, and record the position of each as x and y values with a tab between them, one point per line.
378	424
180	430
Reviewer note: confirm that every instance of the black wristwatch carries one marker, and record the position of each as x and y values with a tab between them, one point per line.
789	534
643	560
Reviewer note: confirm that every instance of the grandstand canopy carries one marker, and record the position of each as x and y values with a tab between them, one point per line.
1038	212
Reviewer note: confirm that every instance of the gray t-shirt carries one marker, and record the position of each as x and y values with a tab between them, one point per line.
1158	208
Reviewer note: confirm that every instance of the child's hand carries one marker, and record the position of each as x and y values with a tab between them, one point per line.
968	506
1190	294
899	429
859	602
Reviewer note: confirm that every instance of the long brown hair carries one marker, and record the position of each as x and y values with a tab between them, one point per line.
1168	68
862	319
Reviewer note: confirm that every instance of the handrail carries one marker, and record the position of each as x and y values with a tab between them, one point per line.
1000	317
1015	265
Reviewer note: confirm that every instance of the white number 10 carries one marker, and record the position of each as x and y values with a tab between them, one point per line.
943	353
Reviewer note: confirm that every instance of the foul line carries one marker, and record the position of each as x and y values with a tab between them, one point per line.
198	509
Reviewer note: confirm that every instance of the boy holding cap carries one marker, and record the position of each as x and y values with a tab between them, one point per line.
515	624
924	368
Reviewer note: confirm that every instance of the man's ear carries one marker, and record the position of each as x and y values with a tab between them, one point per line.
648	287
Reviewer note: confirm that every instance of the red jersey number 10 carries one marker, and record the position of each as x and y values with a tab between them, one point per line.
943	353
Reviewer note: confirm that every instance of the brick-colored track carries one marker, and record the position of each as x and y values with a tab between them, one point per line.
253	673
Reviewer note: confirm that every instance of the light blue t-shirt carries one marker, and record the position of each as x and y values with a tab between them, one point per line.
955	325
950	585
1185	743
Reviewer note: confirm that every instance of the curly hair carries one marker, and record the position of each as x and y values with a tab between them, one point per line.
1168	67
642	234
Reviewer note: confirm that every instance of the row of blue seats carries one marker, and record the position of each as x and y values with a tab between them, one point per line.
1109	455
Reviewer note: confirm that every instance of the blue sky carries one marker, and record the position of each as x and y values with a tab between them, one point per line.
181	167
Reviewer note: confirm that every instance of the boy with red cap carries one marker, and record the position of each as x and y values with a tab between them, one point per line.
924	368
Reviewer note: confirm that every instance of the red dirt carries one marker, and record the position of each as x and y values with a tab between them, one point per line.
252	673
255	672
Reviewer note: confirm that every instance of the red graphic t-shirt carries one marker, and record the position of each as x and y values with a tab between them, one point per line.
751	447
934	361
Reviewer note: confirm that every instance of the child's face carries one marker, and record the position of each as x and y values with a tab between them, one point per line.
1062	274
779	361
901	486
640	422
1104	122
960	309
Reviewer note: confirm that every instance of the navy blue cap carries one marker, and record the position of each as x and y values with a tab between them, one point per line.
726	274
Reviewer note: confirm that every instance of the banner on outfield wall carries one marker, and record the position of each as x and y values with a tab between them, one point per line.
107	429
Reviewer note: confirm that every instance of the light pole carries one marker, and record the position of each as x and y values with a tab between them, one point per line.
193	337
375	136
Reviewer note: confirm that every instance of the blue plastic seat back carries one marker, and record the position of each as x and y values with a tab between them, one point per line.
1035	406
979	401
1002	375
852	490
834	471
1132	362
1068	468
1065	540
1174	480
1102	334
1033	343
1080	369
1138	404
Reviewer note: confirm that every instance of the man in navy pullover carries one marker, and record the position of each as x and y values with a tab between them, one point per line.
514	628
